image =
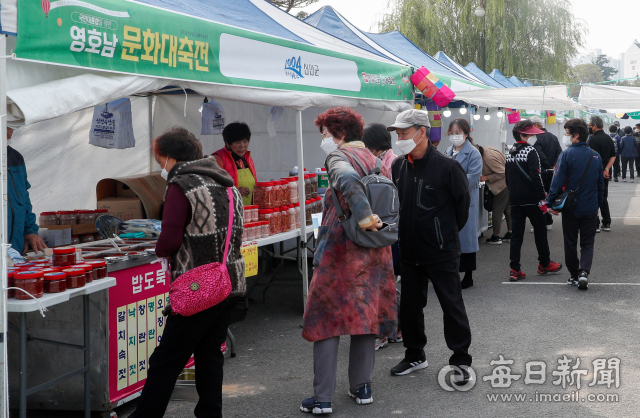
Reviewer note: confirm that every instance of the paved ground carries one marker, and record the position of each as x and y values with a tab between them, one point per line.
540	319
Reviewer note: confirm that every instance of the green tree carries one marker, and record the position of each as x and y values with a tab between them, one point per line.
534	39
607	71
287	5
584	74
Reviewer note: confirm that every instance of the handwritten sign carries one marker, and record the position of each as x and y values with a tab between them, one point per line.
250	254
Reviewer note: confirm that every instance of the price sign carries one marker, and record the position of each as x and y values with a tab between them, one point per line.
250	254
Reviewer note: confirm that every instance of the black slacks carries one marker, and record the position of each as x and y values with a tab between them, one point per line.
628	161
519	215
199	335
616	167
585	225
604	208
446	283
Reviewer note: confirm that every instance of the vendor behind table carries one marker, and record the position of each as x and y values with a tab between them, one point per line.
235	159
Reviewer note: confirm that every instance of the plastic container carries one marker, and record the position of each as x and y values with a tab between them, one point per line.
99	269
88	270
314	185
249	232
287	191
251	214
323	180
319	207
10	283
293	186
86	217
277	216
64	256
308	209
55	282
280	192
68	217
292	217
75	240
266	196
48	219
86	238
29	281
76	277
307	186
296	206
285	221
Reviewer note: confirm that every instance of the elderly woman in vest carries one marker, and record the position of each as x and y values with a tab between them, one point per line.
470	159
352	291
235	159
194	232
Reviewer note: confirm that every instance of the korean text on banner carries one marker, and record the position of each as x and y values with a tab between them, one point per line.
249	252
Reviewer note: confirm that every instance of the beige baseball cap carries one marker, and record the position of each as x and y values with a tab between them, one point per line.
409	118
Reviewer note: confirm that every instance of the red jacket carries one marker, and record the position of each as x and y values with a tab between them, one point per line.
225	159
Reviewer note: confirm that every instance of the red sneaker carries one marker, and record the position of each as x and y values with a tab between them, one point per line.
223	348
514	276
553	267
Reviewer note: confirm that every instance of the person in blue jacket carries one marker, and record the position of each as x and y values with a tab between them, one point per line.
628	153
22	228
572	165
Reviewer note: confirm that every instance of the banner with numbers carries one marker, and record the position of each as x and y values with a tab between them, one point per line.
135	38
135	326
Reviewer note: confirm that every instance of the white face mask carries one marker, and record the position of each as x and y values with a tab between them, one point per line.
328	146
164	173
566	141
457	139
532	140
407	145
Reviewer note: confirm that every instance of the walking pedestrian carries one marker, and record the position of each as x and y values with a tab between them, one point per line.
465	153
526	193
434	206
196	191
353	288
601	143
579	169
636	136
613	133
549	149
628	153
493	165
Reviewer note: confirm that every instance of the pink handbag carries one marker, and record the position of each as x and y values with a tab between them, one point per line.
203	287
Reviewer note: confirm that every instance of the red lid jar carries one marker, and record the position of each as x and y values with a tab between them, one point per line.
76	277
99	269
64	256
68	217
48	219
55	282
29	281
86	217
88	270
11	292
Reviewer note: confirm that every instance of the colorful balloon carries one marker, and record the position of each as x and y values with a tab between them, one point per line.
46	6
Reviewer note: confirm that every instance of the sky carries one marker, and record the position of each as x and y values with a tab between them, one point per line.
611	28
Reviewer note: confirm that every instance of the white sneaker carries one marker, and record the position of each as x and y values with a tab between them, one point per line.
549	227
381	343
532	230
624	180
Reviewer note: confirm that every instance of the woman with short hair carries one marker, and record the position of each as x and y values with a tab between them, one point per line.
195	223
378	140
353	288
235	159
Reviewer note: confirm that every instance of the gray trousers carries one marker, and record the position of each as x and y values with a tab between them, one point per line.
500	206
362	355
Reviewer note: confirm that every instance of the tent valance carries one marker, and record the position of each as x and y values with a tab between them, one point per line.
615	99
539	98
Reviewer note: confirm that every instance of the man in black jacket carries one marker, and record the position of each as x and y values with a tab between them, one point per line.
434	206
526	192
548	148
601	143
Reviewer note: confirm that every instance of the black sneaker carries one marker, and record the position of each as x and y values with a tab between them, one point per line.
572	281
406	367
507	237
583	281
461	377
310	405
494	240
615	179
363	396
606	227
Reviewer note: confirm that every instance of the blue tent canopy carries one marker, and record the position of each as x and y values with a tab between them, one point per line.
527	83
449	62
517	82
476	71
497	75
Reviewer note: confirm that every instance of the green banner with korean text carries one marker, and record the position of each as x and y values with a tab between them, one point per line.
133	38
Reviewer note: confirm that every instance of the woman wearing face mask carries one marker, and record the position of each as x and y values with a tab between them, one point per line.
628	153
353	288
235	159
470	159
192	178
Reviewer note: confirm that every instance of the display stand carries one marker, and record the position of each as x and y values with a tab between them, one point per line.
51	299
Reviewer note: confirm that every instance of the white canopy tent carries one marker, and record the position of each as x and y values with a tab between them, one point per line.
539	98
615	99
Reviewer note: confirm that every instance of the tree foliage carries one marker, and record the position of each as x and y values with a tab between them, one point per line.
584	74
607	71
533	39
287	5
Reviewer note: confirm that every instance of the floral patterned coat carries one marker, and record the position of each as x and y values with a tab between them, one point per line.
353	288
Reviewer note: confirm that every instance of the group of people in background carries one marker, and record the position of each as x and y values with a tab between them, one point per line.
627	144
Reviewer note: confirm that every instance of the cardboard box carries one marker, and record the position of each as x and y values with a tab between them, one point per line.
56	237
124	208
123	190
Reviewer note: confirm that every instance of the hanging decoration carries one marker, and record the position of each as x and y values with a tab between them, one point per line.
432	87
435	119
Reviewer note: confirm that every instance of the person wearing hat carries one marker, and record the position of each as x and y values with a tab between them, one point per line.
21	226
549	149
434	206
526	193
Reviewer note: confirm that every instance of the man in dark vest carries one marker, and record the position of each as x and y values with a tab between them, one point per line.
548	148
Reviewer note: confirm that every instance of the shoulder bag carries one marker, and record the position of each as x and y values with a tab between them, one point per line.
206	286
566	201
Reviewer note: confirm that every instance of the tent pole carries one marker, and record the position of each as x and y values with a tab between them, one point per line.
4	395
303	217
152	101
